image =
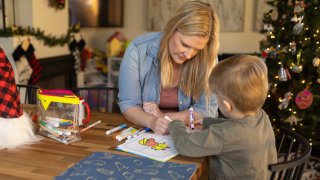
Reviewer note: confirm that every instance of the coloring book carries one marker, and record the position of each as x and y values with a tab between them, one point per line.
153	146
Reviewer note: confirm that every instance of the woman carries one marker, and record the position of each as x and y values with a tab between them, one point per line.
164	74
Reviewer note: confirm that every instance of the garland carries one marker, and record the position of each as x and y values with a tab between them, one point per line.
49	40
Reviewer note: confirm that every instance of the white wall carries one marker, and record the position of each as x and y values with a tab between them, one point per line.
135	16
52	21
37	13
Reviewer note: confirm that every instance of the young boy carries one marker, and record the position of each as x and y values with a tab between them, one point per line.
242	144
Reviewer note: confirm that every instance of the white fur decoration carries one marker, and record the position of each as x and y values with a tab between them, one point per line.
15	132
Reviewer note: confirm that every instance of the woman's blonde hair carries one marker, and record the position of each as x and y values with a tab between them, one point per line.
243	80
193	18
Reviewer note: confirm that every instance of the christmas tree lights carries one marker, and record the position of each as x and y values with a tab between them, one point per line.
292	53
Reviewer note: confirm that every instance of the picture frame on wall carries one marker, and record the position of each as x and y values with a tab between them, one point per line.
7	13
231	19
96	13
261	8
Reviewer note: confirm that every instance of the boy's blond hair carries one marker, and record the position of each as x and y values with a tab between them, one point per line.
242	79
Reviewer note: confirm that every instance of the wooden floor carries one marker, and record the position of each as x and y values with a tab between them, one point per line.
50	158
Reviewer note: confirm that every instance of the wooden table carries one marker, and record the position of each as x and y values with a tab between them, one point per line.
50	158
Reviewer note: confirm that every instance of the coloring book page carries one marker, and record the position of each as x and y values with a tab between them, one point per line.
153	146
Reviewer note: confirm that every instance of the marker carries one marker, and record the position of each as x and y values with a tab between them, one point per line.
141	132
125	135
133	134
191	118
124	132
44	124
90	126
116	129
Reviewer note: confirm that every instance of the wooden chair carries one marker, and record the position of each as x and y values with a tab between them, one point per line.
99	98
28	93
293	152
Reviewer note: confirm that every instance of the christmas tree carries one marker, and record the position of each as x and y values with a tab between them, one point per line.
292	53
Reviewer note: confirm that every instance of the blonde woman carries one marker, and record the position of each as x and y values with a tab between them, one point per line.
166	73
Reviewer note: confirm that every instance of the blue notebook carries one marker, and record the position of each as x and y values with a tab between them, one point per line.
101	165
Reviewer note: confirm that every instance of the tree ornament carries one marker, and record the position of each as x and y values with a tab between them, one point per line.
284	16
284	102
273	52
297	68
293	47
294	18
282	74
293	120
289	3
316	62
274	14
268	27
299	7
264	54
297	28
304	98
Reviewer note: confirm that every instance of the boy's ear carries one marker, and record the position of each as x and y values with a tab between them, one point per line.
227	104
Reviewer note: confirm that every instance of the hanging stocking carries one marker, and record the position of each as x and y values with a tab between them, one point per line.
83	54
35	65
17	53
76	54
24	70
23	67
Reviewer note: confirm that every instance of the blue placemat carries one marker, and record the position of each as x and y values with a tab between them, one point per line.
101	165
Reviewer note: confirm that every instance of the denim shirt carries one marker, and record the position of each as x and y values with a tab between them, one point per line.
139	78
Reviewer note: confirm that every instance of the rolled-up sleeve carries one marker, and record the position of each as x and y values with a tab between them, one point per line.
129	84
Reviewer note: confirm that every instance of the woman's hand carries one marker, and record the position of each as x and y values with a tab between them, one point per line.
160	126
153	109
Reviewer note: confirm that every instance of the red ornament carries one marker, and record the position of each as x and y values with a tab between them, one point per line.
304	99
264	54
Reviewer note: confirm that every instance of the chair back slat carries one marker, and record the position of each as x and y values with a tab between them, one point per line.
99	98
279	145
28	93
293	153
289	150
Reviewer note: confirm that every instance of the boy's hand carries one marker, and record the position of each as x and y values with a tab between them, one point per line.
198	121
160	126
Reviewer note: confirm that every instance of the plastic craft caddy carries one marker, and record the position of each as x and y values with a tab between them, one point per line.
58	115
